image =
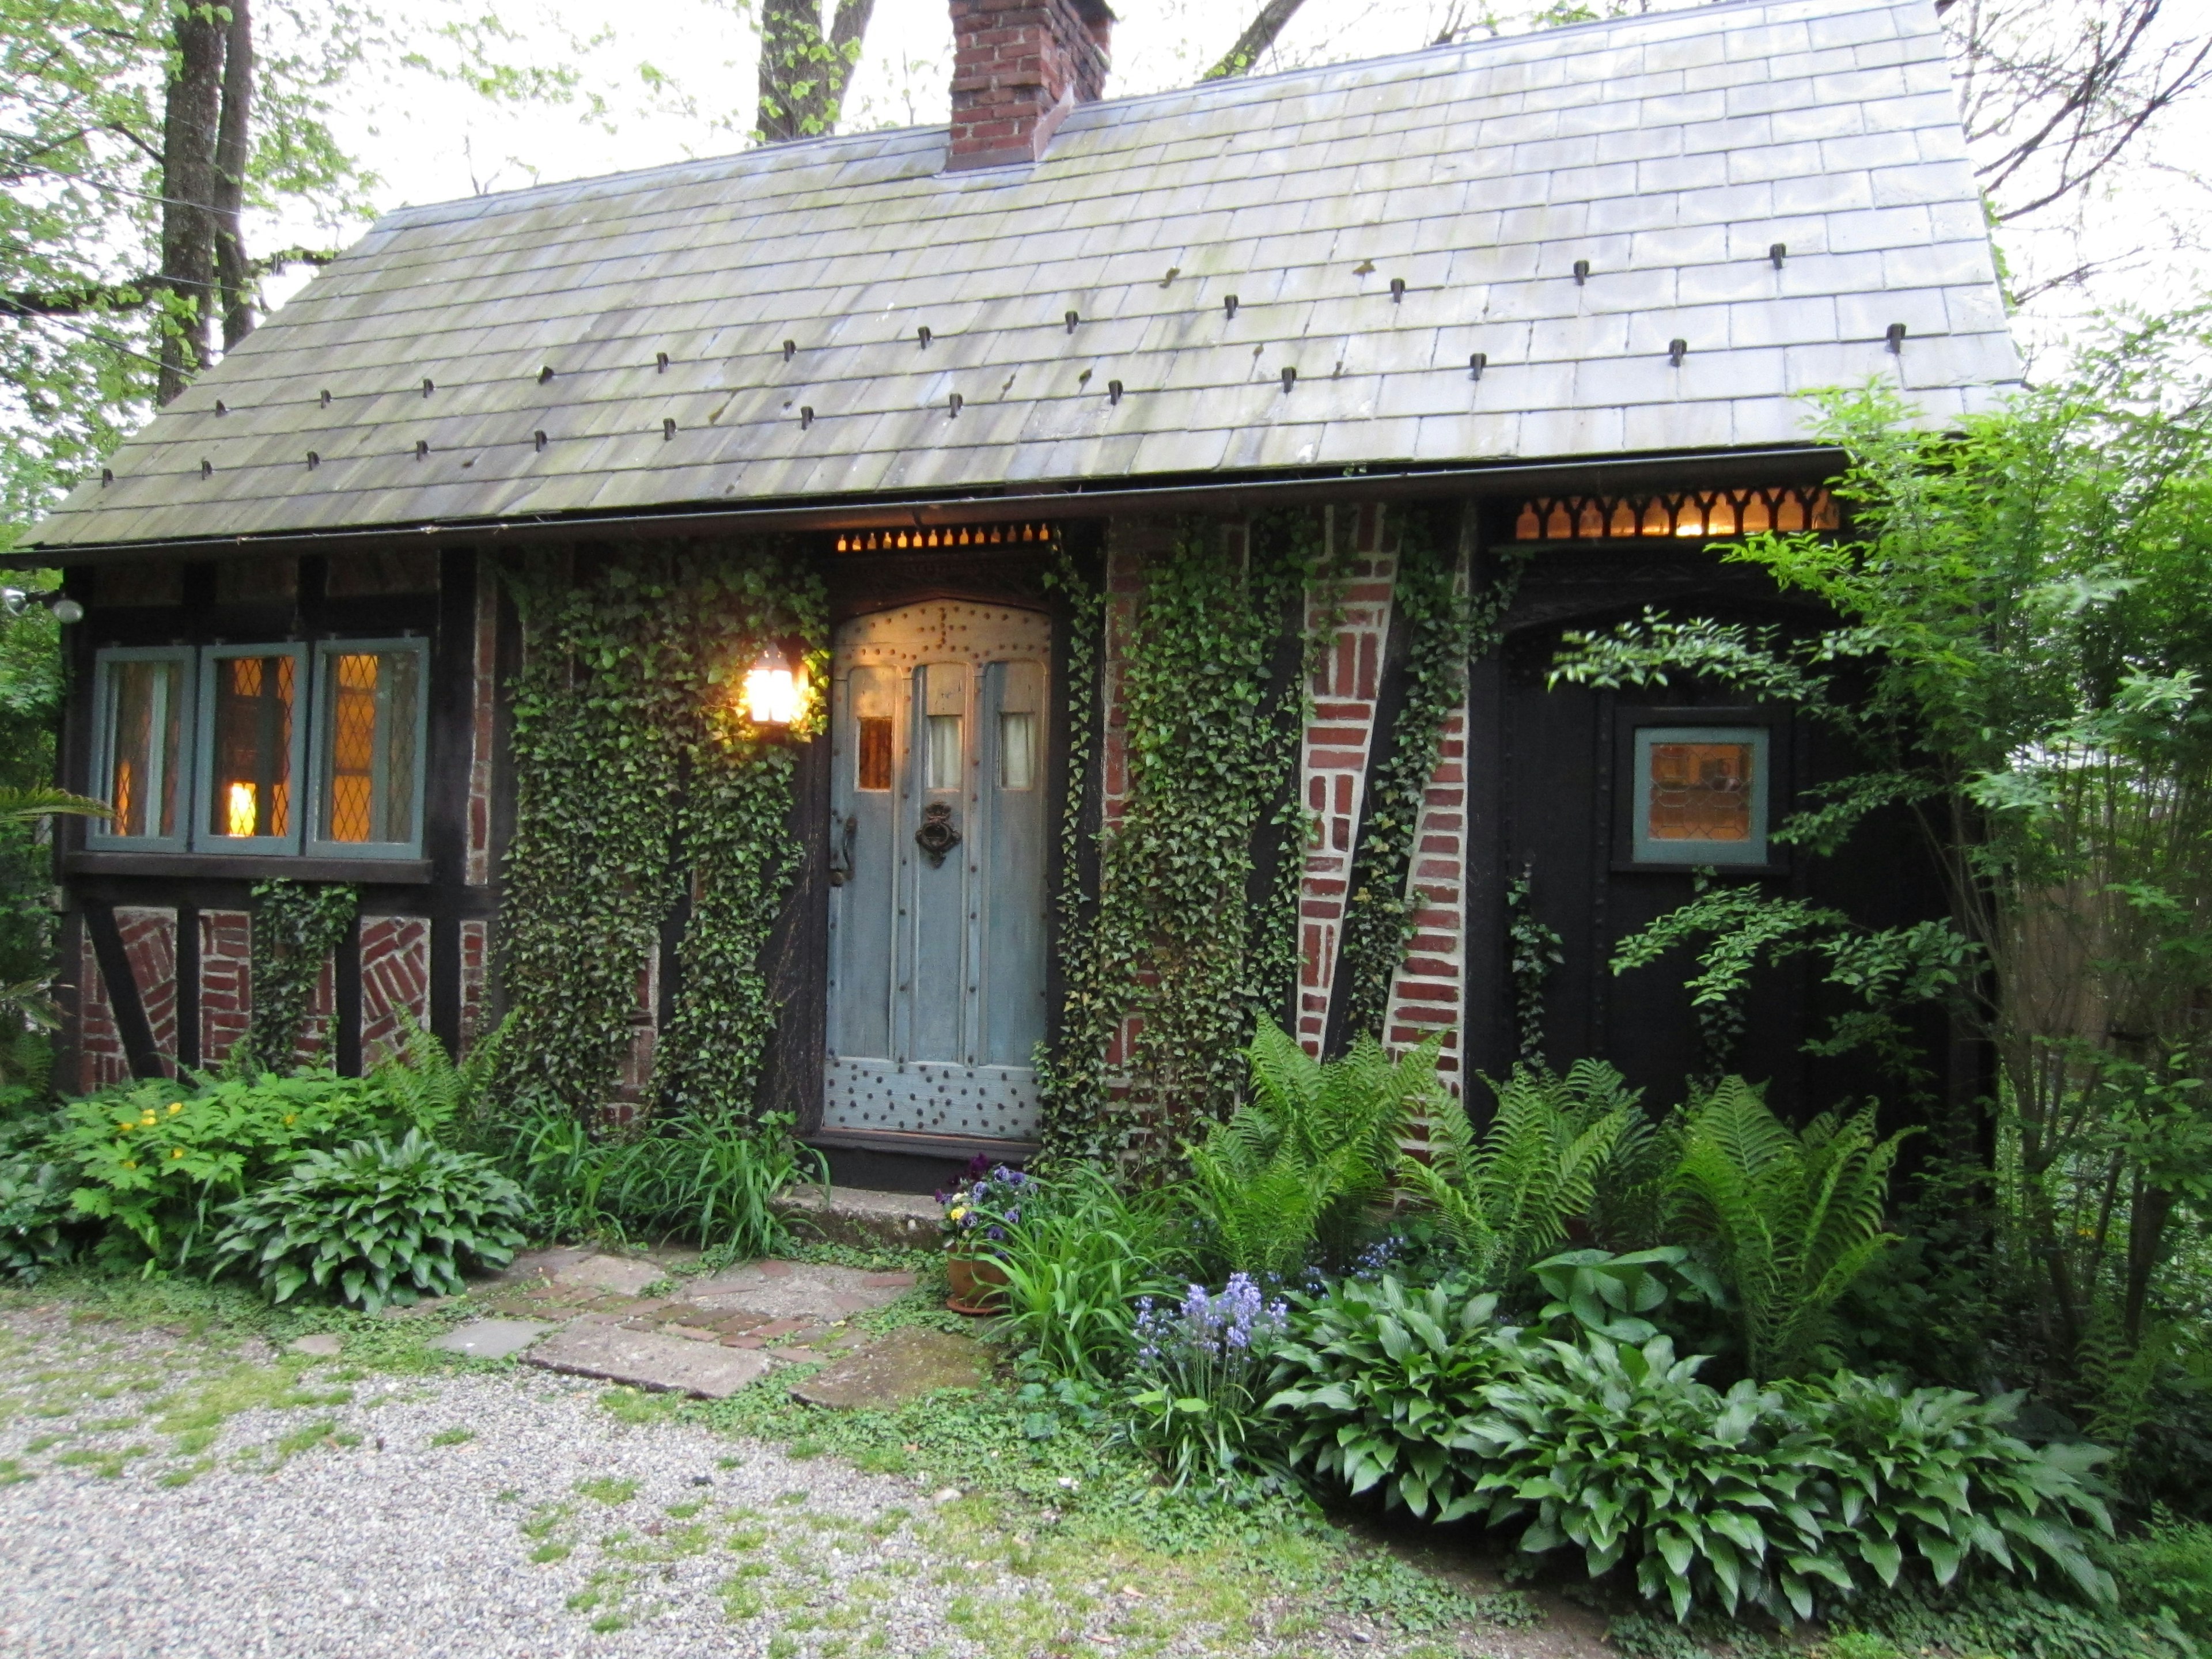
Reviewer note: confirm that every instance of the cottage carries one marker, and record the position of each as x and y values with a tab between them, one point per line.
1122	539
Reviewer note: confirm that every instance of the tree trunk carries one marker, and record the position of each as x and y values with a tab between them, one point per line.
803	76
233	153
189	119
1259	34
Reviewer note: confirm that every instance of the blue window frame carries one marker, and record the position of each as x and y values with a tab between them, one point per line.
1700	795
142	743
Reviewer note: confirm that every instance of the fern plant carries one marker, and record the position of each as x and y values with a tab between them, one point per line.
1790	1219
1506	1195
421	1083
1313	1145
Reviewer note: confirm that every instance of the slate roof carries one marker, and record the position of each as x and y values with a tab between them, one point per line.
1669	152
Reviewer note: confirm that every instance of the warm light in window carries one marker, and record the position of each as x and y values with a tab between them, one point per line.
241	811
773	694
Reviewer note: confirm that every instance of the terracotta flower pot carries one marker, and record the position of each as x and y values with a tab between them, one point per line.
976	1282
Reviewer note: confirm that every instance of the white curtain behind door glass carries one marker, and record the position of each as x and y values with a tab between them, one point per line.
944	752
1017	767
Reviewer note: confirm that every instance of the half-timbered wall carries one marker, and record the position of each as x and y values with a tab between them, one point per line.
1528	781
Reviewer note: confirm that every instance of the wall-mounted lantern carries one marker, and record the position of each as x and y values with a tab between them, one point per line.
16	600
774	693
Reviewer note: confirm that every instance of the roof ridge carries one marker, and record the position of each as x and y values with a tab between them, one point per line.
1089	115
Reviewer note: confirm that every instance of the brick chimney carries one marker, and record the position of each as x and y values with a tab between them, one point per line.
1019	66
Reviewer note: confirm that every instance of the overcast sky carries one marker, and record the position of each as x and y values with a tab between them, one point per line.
676	77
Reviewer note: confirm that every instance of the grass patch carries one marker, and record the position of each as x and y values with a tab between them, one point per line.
606	1489
455	1436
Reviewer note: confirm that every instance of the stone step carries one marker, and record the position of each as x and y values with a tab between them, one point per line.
859	1217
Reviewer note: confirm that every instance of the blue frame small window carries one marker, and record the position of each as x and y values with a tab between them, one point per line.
253	748
1700	795
371	727
142	743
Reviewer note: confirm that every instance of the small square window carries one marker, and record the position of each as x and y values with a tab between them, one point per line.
250	743
141	739
368	744
1700	795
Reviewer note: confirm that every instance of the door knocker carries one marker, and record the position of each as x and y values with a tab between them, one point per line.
936	836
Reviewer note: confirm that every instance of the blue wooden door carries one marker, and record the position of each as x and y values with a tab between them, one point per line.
939	858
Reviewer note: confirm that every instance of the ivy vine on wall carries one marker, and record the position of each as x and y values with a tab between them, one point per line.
1445	627
296	926
1210	747
641	792
1534	950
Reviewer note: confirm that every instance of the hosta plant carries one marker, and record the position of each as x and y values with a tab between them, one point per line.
1380	1387
1621	1452
376	1222
1933	1476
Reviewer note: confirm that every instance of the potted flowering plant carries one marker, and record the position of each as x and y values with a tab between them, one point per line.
979	1210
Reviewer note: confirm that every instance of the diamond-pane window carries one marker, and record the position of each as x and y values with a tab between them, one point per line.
250	795
371	720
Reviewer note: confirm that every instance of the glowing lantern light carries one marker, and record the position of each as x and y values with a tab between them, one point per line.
242	809
773	692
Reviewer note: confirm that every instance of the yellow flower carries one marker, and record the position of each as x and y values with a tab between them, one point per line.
176	1151
130	1164
956	1212
176	1106
288	1116
125	1128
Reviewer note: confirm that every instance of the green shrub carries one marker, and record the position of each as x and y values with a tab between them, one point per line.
1621	1452
2166	1569
1506	1195
1784	1498
714	1180
1380	1385
1987	1620
1313	1145
1789	1499
35	1207
1931	1474
377	1222
155	1160
1078	1258
1791	1220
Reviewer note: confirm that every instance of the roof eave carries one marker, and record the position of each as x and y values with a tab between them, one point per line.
1071	499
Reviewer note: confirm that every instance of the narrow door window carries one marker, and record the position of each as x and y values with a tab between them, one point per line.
1019	708
946	699
872	730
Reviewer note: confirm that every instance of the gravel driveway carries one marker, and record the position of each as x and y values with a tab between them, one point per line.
165	1495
